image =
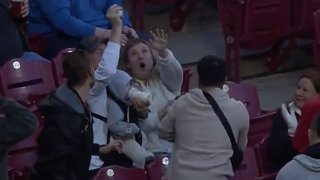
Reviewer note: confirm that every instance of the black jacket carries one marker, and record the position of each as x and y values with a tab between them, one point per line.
66	142
17	124
280	146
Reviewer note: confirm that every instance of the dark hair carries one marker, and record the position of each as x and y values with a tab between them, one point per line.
128	46
315	124
76	67
314	76
212	71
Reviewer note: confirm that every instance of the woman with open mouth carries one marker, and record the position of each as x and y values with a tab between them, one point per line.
160	74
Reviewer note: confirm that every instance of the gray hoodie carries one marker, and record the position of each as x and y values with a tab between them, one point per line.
302	167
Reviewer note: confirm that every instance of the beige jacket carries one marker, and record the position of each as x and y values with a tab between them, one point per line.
202	148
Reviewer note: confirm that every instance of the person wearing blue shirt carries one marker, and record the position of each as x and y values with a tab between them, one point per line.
65	22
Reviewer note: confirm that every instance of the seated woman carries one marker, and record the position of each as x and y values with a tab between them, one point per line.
123	123
280	149
160	75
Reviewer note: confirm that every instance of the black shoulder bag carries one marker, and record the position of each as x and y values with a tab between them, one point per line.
237	155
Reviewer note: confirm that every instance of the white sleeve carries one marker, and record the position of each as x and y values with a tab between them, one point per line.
107	67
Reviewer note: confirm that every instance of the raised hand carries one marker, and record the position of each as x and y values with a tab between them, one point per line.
159	40
290	119
115	14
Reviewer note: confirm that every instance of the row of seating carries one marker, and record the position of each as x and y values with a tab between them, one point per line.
29	81
23	155
261	24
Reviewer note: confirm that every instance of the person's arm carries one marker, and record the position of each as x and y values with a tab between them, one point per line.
58	13
166	128
116	124
171	72
243	134
110	59
17	124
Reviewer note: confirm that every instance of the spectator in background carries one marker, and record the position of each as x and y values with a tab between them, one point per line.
300	138
17	124
65	22
280	148
305	166
160	74
12	41
202	146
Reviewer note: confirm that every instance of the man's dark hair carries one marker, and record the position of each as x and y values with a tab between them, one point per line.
76	67
212	71
315	124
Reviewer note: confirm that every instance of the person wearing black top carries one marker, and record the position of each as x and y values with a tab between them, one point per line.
280	146
66	142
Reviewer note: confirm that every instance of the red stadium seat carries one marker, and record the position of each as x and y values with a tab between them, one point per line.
247	94
178	14
120	173
302	16
264	165
20	165
260	121
252	24
316	41
26	81
260	127
248	168
57	66
156	169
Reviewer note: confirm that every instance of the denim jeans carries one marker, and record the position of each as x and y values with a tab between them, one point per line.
32	56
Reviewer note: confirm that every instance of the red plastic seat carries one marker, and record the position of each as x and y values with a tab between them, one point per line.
248	168
302	16
252	24
25	80
260	127
20	165
186	80
181	9
260	121
57	66
316	41
156	169
120	173
247	94
264	165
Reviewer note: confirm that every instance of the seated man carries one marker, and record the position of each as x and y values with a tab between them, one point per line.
12	42
203	147
17	124
305	166
65	22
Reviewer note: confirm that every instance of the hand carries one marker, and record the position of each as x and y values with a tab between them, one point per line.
129	31
25	8
115	145
102	33
115	14
159	40
290	119
139	99
124	40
